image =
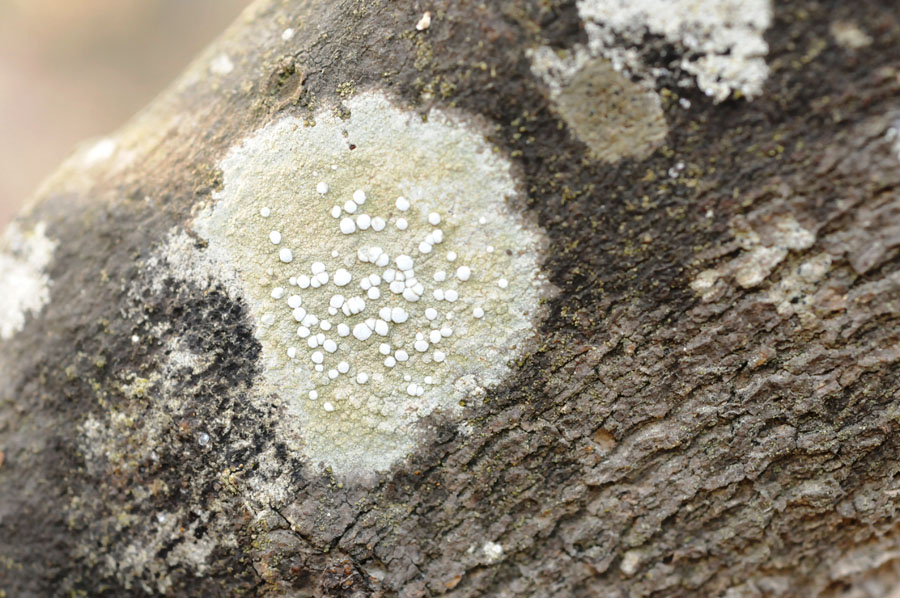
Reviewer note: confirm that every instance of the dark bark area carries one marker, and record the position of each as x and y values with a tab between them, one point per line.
737	438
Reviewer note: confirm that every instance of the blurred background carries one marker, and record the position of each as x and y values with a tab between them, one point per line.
73	69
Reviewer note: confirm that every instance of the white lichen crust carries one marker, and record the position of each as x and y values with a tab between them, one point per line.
24	284
722	40
385	272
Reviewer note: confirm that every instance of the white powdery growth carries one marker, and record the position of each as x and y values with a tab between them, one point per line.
893	137
722	39
24	286
410	283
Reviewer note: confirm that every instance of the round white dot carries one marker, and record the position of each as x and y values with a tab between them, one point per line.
384	349
327	406
502	283
325	325
431	313
404	262
440	276
350	206
434	218
359	196
439	356
451	295
265	212
355	305
342	278
434	336
336	212
317	357
478	312
381	328
277	292
303	281
373	293
329	345
332	373
294	301
389	362
401	355
275	237
399	315
322	188
402	223
268	319
420	346
285	255
463	273
424	247
363	221
302	331
313	395
402	204
362	378
451	256
292	352
347	225
343	329
378	223
362	332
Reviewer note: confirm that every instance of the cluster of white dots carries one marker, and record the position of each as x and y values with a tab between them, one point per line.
371	309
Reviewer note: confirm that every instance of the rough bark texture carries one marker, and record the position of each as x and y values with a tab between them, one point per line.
712	407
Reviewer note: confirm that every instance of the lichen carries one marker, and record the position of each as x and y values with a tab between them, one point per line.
386	273
25	283
763	251
614	116
721	41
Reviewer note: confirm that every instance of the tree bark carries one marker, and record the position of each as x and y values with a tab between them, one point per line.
706	404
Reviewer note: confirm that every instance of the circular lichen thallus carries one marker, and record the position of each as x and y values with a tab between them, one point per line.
387	281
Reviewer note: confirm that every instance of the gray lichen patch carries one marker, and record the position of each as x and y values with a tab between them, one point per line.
24	284
614	116
722	40
763	250
386	273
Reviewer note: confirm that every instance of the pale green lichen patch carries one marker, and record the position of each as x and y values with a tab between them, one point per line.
386	273
24	284
614	116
